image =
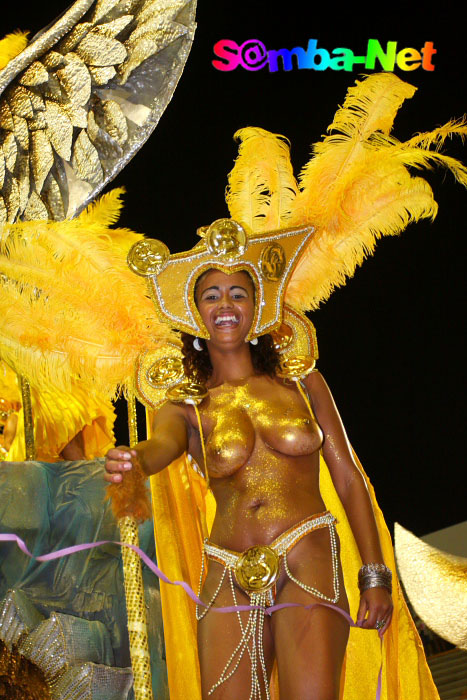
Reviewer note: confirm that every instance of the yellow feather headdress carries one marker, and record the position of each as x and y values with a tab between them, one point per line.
355	188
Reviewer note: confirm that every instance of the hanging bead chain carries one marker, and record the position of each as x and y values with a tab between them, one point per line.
335	571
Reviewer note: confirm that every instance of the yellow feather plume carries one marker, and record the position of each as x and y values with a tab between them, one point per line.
70	309
12	45
262	186
356	187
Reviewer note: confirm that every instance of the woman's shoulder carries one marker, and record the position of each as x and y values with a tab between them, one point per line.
316	386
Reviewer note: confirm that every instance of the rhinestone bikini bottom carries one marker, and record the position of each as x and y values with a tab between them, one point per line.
256	571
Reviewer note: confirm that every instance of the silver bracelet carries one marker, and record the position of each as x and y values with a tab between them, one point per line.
373	576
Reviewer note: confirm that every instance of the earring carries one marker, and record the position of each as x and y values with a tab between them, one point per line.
254	341
197	345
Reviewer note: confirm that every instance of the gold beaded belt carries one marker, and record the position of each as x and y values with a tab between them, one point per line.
257	568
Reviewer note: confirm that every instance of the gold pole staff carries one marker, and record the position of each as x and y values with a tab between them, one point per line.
130	504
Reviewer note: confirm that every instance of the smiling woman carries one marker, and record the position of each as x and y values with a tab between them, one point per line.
258	437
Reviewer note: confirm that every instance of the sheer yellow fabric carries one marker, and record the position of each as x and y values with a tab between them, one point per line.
181	517
58	417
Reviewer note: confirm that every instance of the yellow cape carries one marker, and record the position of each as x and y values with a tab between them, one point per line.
183	513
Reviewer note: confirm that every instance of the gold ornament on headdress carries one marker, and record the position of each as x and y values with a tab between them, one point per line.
268	257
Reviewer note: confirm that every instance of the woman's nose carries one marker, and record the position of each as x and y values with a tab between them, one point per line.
225	300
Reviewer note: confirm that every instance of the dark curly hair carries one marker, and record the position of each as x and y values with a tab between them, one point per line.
197	364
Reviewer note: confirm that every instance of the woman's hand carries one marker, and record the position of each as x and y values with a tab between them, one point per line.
375	607
118	460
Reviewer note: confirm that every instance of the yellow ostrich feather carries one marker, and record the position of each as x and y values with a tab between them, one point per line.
356	187
12	45
70	308
262	186
8	384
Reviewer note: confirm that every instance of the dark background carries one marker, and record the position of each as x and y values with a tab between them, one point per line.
391	341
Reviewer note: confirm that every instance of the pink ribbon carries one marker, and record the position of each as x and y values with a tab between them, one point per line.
66	551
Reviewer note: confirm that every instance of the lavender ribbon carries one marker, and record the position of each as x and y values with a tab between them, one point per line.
66	551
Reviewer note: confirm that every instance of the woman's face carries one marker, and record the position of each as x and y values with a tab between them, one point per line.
226	304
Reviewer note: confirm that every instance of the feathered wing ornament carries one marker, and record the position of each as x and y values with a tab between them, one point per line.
70	309
82	98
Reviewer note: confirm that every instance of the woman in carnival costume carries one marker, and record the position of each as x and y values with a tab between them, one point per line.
267	450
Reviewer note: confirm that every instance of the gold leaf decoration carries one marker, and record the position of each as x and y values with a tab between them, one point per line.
53	197
147	40
10	150
53	60
115	122
11	194
113	28
6	117
21	132
38	103
99	50
59	129
36	74
85	160
35	209
2	167
53	88
19	99
101	76
76	114
42	157
93	128
23	180
77	34
75	80
37	122
3	212
103	7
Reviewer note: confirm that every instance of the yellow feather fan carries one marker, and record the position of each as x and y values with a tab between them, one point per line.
12	45
355	188
70	308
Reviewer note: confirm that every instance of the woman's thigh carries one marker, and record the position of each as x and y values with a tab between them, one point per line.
221	648
310	647
310	644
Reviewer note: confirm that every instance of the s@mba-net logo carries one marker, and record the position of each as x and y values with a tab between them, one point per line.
252	55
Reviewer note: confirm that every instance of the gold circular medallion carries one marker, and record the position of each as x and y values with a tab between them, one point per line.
273	262
296	367
257	568
147	257
226	238
165	372
187	392
282	337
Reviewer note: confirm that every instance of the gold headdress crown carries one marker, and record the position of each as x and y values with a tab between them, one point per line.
269	257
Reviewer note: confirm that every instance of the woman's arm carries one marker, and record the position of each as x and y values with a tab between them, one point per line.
353	493
170	430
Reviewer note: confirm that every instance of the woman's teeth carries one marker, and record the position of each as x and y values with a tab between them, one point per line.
225	320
